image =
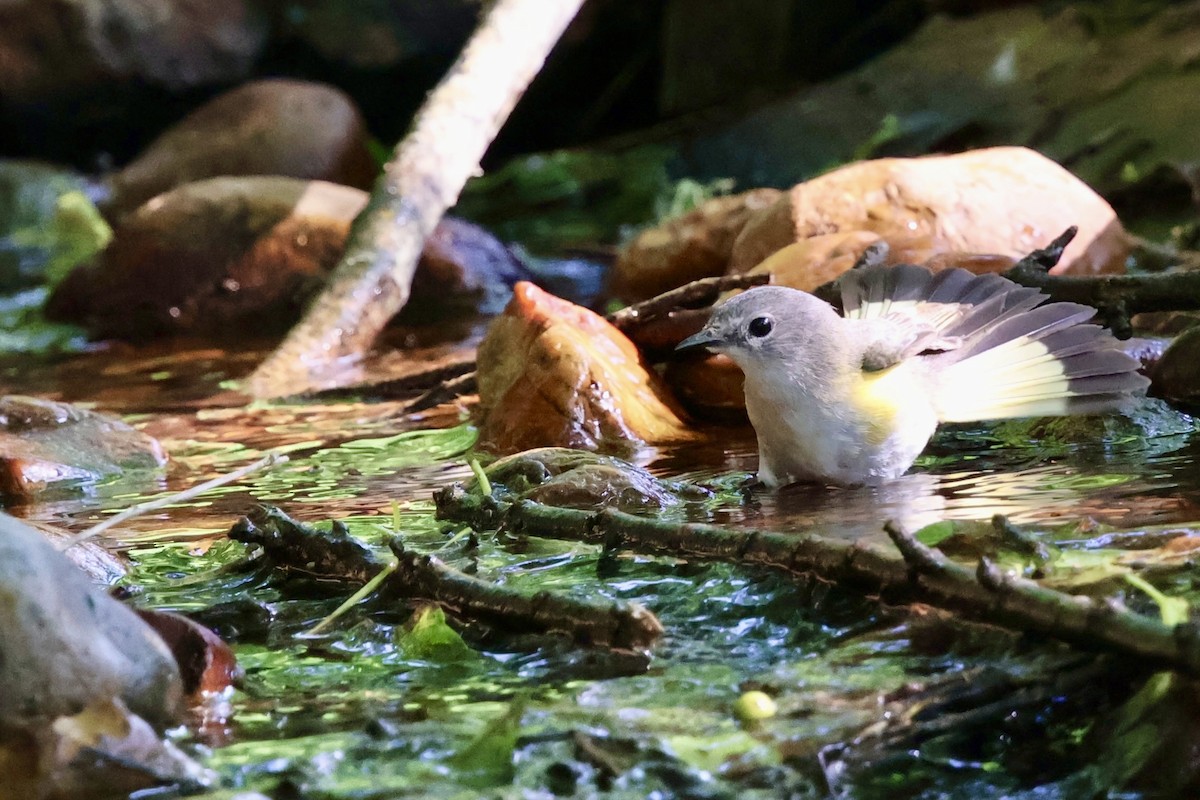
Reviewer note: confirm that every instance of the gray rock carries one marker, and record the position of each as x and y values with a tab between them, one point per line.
49	47
65	644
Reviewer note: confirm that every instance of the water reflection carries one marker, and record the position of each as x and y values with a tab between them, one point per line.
965	475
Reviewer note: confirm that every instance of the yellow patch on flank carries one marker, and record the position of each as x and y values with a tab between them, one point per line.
881	396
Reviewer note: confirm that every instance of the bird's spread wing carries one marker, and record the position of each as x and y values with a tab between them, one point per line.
892	338
906	310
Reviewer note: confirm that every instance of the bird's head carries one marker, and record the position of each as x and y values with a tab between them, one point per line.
769	326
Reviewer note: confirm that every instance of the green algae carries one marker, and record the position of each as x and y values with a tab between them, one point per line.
403	699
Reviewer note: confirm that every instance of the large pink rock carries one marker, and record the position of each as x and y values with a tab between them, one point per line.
691	246
1005	201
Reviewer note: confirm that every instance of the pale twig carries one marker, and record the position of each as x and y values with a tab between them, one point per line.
269	460
485	486
354	599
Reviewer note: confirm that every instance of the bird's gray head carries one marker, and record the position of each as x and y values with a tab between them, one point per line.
768	325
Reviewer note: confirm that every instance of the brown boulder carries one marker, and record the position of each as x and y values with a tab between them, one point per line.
463	268
45	444
1176	376
237	256
812	262
554	374
267	127
709	386
232	256
691	246
1006	201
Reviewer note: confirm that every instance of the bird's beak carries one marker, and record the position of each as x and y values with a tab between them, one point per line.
705	338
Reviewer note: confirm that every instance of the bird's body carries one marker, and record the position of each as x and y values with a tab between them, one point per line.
854	399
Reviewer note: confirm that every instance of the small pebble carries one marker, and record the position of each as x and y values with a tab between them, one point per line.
753	706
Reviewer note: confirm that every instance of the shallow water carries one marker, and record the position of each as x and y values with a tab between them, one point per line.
356	714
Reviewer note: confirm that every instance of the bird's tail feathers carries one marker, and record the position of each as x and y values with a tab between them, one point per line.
1043	361
1017	355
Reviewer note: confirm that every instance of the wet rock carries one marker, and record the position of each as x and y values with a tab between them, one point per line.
686	248
553	373
710	387
1176	376
44	444
1146	424
269	127
559	476
1006	201
65	644
206	664
463	268
225	256
813	262
51	47
236	256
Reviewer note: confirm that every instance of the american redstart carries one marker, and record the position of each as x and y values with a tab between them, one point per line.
854	399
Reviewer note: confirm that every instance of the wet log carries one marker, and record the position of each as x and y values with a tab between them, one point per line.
336	555
909	573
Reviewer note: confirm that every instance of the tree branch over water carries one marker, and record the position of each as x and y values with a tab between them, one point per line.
428	169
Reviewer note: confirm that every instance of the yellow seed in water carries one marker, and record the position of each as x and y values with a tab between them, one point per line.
753	706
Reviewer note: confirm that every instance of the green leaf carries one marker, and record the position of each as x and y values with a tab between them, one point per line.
935	534
488	759
429	638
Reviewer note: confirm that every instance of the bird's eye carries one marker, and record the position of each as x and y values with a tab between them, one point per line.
760	326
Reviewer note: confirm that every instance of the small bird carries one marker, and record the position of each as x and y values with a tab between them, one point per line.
853	399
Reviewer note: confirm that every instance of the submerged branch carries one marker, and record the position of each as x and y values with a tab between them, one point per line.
916	573
336	555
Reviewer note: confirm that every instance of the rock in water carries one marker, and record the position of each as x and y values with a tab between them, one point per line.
554	374
45	444
1006	201
235	256
269	127
230	255
689	247
65	644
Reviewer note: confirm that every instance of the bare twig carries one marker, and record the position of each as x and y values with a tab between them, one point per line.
697	293
267	461
424	177
916	573
444	392
336	555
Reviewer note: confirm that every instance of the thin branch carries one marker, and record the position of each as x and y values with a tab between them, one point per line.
267	461
700	292
450	133
336	555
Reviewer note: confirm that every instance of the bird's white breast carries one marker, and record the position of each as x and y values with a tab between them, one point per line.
858	428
